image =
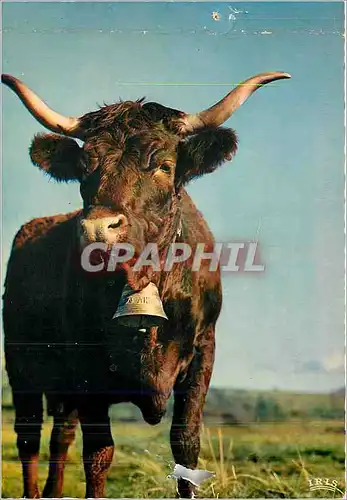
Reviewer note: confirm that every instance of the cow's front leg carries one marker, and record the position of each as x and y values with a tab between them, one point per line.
98	447
189	401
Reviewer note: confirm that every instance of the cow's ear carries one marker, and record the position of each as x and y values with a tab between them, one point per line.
59	157
203	153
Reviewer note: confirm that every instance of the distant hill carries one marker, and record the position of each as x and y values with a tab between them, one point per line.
237	406
340	392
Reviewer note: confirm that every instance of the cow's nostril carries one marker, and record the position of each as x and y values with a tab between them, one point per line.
118	222
115	225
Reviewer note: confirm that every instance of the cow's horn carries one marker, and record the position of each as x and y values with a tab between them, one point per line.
47	117
221	111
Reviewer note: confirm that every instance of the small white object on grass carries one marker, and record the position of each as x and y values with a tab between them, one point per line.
193	476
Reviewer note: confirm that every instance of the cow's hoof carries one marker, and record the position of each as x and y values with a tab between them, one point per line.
185	490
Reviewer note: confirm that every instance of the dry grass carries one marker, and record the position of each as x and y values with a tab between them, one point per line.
257	461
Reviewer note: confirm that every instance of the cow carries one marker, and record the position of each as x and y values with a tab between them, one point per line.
133	164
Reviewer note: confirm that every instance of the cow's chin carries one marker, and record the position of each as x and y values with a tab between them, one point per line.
100	252
120	246
84	242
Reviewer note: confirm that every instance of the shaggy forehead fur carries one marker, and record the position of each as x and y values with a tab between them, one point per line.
130	116
127	134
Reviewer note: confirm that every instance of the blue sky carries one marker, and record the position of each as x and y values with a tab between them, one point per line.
283	328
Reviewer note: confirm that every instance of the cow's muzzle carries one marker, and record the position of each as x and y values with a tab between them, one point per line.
109	230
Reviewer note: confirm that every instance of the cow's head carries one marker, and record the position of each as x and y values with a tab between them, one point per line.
135	159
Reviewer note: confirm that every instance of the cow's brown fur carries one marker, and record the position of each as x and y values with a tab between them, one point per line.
60	340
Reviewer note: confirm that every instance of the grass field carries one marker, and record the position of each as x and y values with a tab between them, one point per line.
264	460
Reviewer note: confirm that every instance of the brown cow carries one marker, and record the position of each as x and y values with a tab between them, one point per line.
60	339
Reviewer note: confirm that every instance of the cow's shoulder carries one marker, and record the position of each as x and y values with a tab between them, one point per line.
37	265
42	228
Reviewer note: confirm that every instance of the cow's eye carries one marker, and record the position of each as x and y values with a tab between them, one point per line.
166	167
